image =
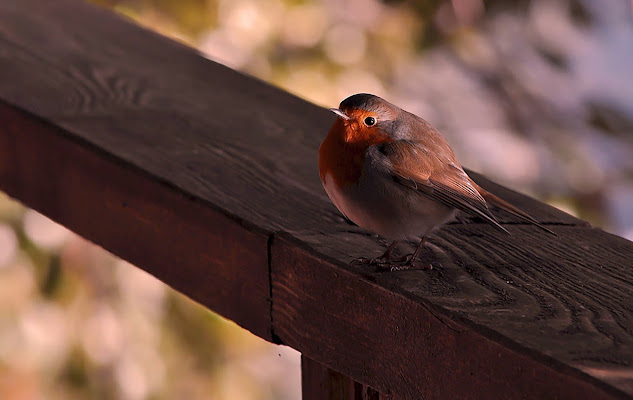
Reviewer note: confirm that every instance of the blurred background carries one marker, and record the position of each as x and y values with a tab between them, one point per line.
537	95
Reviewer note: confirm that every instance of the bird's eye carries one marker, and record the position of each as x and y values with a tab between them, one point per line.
369	121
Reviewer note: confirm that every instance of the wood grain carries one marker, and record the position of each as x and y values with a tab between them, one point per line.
194	248
187	168
404	346
321	383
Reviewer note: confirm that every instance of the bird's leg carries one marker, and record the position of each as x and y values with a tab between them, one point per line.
416	253
383	259
411	260
387	255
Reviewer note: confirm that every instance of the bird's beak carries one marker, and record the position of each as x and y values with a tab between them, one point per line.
340	113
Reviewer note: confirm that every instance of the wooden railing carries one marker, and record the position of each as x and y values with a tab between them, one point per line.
207	179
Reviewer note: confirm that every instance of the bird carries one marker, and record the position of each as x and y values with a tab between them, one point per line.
390	172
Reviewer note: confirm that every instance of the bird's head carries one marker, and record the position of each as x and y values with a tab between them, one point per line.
366	119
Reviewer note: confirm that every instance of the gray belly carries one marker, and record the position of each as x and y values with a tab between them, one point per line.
383	206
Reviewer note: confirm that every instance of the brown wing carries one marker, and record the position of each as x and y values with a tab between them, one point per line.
440	179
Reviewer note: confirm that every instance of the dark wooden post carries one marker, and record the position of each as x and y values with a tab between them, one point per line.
319	382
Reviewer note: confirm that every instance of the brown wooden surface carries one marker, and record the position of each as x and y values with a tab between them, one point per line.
321	383
408	346
188	169
198	250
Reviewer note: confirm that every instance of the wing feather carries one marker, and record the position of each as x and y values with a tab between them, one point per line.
442	180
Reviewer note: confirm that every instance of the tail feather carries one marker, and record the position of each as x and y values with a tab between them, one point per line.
509	208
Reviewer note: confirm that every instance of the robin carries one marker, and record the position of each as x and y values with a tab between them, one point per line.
391	172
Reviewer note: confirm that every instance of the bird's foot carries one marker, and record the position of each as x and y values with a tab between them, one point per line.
405	263
378	261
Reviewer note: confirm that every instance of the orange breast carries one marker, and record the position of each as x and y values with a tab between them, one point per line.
342	153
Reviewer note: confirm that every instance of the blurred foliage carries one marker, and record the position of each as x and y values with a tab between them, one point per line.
192	17
534	93
75	322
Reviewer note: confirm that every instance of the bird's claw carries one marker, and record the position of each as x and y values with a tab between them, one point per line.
370	261
405	263
383	263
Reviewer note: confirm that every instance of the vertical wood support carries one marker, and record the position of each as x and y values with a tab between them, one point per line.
319	382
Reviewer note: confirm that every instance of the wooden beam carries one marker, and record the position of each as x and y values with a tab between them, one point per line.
197	249
321	383
367	327
207	179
